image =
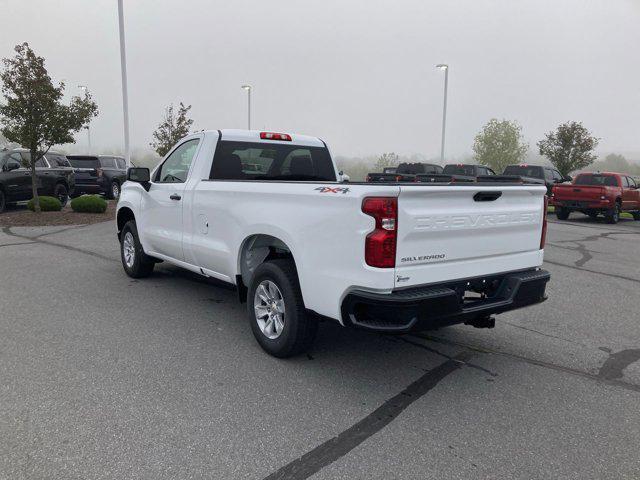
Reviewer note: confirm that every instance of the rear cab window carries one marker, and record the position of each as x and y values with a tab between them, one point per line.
270	162
597	179
468	170
107	162
525	171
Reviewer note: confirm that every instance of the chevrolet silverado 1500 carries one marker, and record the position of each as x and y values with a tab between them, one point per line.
301	246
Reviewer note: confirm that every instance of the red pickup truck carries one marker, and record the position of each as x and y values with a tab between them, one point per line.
598	193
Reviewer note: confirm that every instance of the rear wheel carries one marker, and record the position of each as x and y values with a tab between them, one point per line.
562	213
613	214
60	192
114	191
136	263
3	201
276	310
636	215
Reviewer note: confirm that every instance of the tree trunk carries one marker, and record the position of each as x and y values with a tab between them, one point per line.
34	182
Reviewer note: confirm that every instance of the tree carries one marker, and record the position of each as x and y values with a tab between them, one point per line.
33	115
387	160
570	147
173	127
499	144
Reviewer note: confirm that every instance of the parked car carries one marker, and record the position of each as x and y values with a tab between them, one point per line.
537	174
54	176
405	172
598	193
298	244
103	174
456	172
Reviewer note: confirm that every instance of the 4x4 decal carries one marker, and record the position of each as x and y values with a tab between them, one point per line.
332	190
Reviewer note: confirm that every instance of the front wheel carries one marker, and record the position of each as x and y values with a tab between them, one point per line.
136	263
3	201
562	213
636	215
276	310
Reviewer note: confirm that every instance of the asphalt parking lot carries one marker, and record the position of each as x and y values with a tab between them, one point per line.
105	377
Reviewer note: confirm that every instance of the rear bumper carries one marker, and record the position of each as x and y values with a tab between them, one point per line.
433	306
583	204
89	188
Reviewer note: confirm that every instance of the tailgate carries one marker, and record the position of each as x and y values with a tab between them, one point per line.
455	232
578	193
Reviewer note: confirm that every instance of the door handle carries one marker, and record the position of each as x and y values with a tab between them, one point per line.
175	196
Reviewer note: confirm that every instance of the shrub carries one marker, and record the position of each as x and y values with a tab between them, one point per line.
89	204
47	204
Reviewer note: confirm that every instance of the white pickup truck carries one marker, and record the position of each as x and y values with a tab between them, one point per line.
268	213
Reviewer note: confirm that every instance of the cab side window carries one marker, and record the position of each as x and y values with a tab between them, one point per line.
175	168
625	182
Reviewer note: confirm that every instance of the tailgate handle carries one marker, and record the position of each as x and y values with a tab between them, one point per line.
487	196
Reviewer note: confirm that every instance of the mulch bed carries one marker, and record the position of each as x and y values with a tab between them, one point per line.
20	216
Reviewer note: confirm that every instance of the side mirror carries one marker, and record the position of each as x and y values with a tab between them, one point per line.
568	178
139	175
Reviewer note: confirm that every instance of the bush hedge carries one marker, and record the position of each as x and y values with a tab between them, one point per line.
89	204
47	204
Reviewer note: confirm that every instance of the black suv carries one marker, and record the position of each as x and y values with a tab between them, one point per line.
99	174
54	176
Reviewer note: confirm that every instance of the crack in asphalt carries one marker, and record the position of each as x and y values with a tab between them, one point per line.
614	365
328	452
543	334
552	366
582	249
7	231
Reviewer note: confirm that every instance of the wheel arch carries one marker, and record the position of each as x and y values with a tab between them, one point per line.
123	216
254	250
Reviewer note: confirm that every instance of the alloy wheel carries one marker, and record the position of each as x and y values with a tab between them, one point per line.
268	304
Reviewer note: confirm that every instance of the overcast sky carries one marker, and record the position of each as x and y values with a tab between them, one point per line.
359	74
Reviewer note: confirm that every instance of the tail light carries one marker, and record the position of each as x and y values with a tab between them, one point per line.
543	237
99	172
368	179
398	178
380	245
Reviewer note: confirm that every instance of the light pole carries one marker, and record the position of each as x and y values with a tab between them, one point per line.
125	95
248	89
445	67
85	89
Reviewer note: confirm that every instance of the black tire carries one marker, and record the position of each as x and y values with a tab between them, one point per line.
141	265
299	328
613	214
636	215
61	193
3	201
562	213
592	213
114	191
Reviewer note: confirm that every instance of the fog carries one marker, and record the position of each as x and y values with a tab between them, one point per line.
359	74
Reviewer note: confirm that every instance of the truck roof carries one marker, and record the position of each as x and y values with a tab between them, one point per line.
239	135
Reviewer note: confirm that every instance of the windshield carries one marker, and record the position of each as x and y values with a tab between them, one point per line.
266	161
598	180
460	170
524	171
